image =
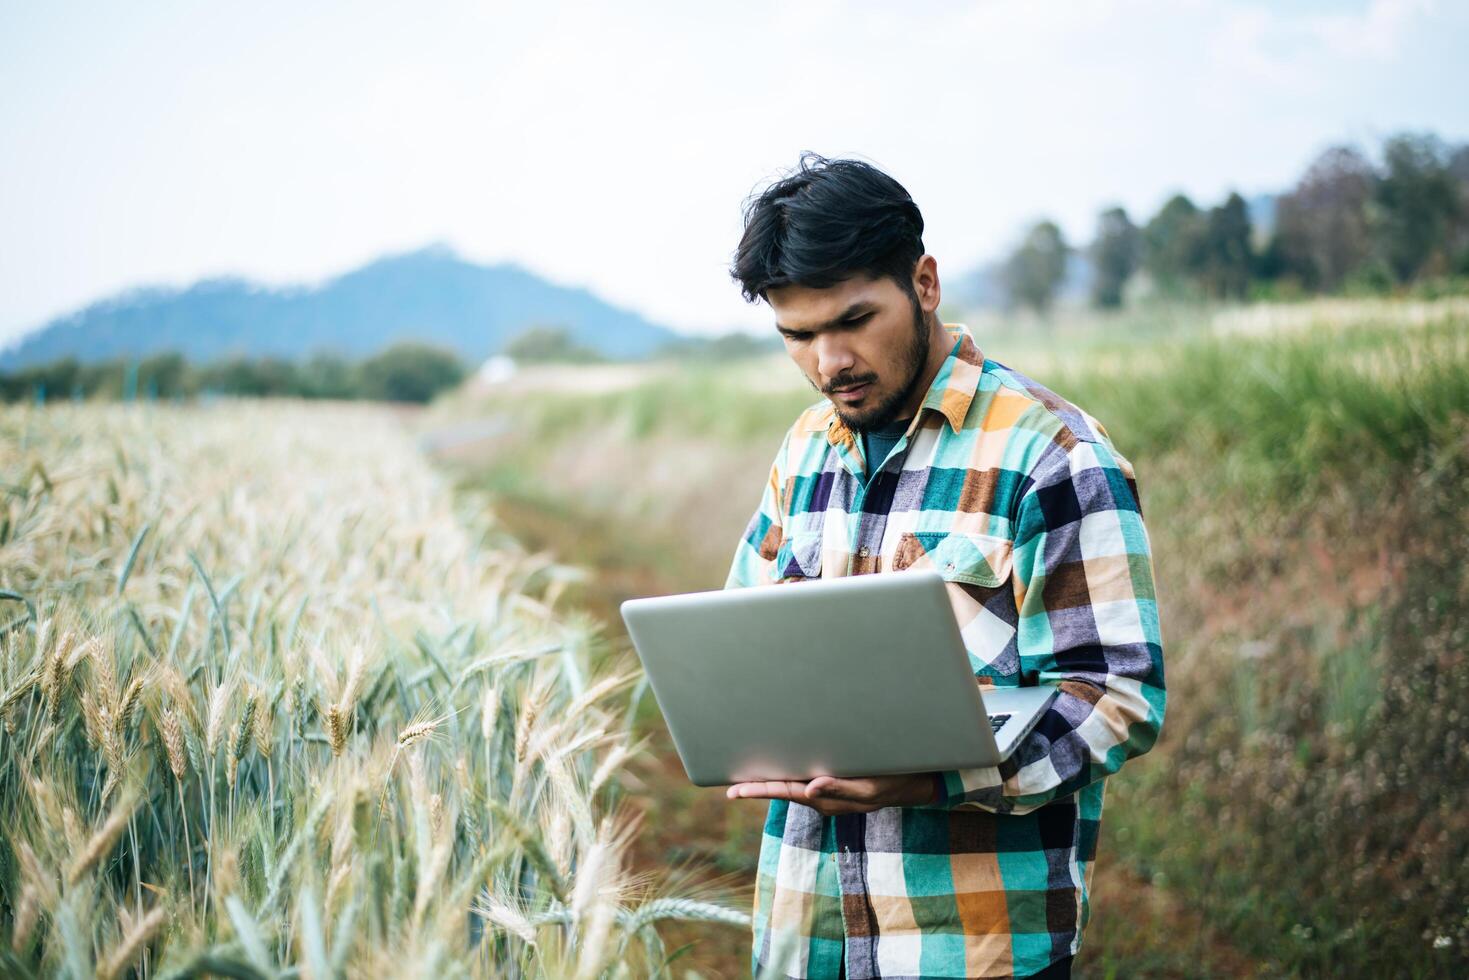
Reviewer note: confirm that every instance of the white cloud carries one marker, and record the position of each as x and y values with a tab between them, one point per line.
1376	33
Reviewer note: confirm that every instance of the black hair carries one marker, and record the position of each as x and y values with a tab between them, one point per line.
825	222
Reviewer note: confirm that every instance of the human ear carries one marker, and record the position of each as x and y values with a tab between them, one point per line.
926	283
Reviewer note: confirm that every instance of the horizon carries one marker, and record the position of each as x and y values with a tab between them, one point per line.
303	144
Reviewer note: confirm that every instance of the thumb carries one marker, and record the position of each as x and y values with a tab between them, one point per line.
820	786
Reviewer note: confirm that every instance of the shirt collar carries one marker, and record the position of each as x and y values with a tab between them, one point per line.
950	393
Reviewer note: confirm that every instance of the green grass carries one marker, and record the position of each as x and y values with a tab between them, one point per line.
1290	414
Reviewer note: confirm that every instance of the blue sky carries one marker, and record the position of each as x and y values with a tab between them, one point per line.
611	145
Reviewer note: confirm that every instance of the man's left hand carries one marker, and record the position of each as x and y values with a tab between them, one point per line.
830	796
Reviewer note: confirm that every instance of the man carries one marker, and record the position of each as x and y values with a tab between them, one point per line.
925	454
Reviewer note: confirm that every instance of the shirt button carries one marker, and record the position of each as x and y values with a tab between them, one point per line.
863	553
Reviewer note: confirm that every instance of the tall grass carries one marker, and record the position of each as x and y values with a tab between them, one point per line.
1289	413
1304	493
1303	476
272	707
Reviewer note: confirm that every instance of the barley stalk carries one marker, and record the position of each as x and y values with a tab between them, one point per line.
173	741
489	712
417	732
597	692
526	724
338	723
497	912
130	700
56	674
609	765
128	949
261	730
102	840
242	731
27	912
218	701
102	667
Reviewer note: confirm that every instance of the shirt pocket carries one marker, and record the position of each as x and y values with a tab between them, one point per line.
799	556
982	560
977	571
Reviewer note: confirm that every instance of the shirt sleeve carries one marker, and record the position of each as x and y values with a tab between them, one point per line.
1088	621
754	559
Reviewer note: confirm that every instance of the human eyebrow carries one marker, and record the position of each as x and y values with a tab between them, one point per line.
852	313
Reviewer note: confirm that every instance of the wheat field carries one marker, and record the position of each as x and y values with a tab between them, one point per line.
276	703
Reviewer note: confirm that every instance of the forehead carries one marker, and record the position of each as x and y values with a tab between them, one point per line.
806	307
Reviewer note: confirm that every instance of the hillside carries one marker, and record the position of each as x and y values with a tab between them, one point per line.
431	295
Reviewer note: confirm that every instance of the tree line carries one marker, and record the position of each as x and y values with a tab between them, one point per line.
404	372
1350	224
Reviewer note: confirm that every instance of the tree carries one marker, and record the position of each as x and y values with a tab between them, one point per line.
266	377
1227	258
163	375
1459	236
1035	269
1417	204
1321	227
42	382
410	372
720	349
1459	163
543	344
1173	244
327	374
1115	255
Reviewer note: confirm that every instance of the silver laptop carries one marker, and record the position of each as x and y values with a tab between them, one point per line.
858	676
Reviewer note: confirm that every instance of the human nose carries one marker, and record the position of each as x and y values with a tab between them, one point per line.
833	356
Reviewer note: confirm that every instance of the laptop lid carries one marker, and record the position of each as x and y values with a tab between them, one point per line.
864	675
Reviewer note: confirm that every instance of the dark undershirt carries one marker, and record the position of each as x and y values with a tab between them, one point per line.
877	443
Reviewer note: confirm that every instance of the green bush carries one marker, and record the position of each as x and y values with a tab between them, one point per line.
410	372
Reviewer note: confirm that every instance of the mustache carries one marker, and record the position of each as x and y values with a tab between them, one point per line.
846	381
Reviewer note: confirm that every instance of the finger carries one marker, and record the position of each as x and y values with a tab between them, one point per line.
769	790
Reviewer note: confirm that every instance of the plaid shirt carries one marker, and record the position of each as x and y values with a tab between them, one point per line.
1019	500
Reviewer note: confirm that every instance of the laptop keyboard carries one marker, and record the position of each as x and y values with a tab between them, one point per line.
997	722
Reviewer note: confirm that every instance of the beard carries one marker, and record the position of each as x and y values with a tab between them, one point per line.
910	364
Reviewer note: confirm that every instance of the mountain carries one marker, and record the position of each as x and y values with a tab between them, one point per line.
431	295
